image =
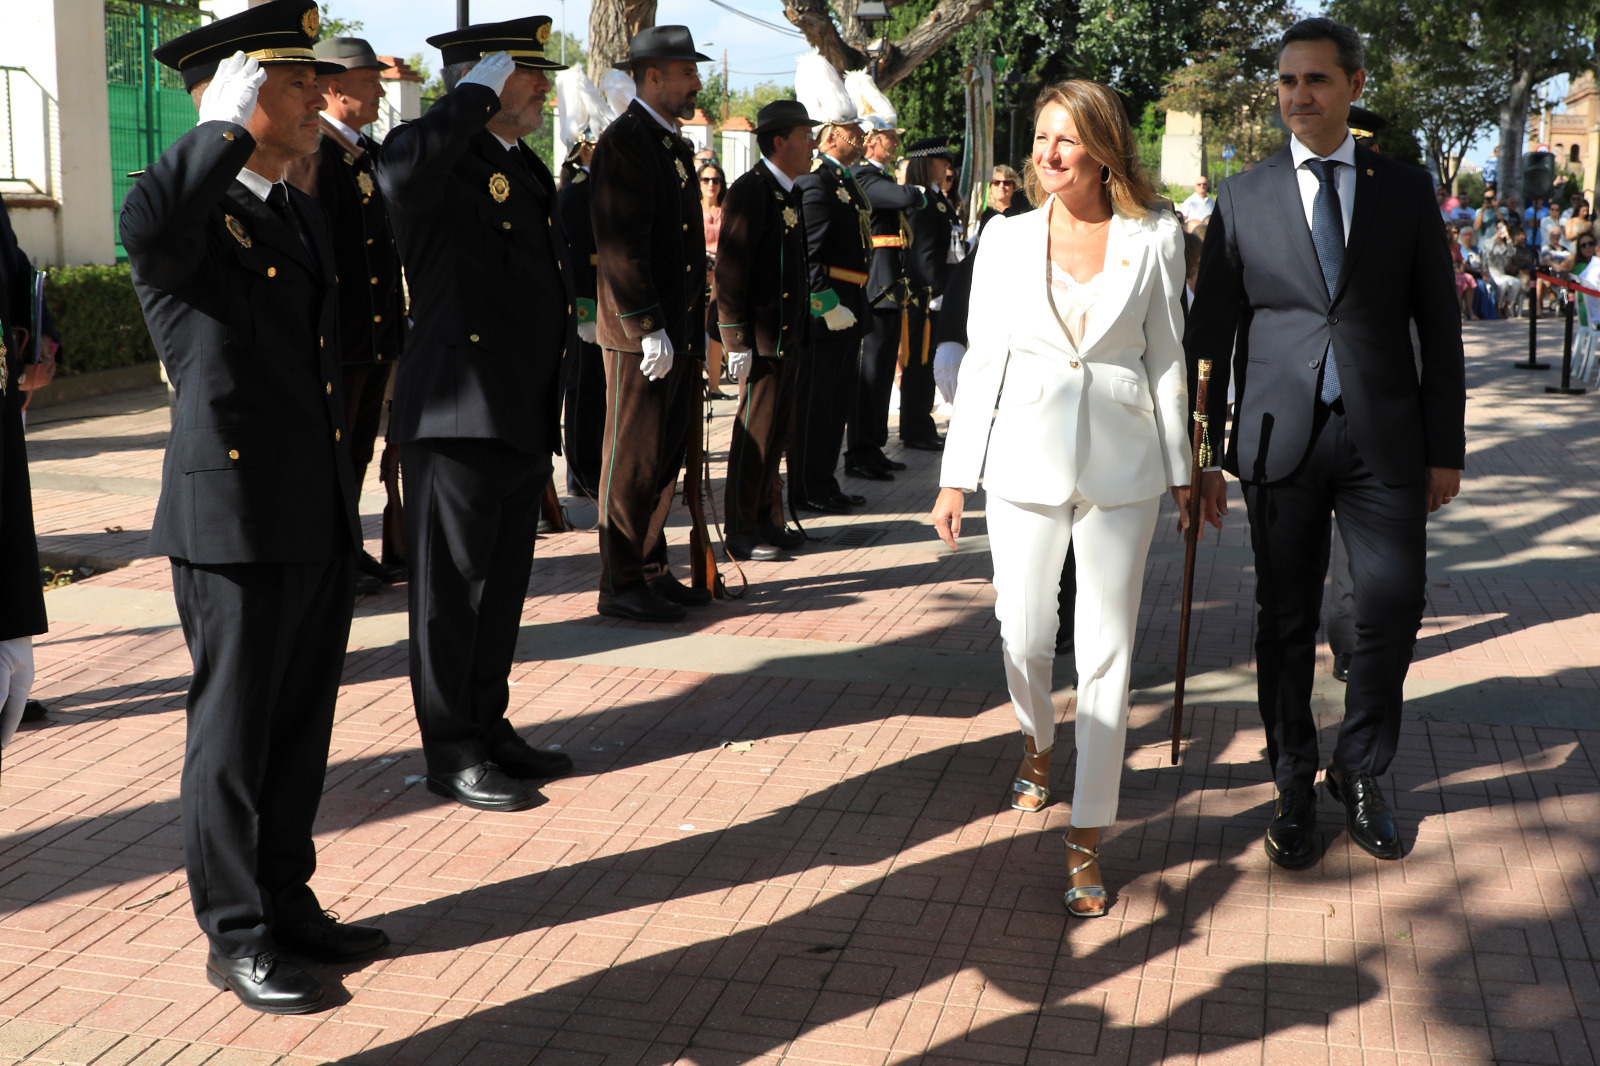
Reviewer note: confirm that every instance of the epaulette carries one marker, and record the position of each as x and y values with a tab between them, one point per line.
818	163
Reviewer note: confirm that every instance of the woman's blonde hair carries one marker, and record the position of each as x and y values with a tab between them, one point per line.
1104	132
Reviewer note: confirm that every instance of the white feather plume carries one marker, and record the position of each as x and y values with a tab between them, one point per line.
617	87
580	105
868	98
818	86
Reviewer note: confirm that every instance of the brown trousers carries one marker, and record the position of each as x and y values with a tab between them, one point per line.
766	407
647	435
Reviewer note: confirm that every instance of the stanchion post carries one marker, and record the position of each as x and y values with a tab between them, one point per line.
1533	335
1569	311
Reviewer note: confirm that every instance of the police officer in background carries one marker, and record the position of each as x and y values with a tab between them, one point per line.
651	323
837	221
763	302
936	248
583	425
339	176
477	403
886	293
258	498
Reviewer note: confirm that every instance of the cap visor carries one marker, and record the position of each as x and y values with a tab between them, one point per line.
539	64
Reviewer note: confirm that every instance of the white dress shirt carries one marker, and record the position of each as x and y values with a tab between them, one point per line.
507	144
656	115
1345	177
257	184
353	136
784	180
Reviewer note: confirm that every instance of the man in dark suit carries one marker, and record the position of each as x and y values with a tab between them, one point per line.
651	323
258	499
887	293
935	249
1317	262
339	175
763	302
838	225
477	403
584	418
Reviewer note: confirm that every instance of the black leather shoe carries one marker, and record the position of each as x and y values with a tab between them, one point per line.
266	982
1341	666
783	536
868	473
518	759
484	787
640	603
1366	813
672	590
832	505
323	937
1292	836
934	445
748	546
384	572
850	498
367	585
883	462
34	711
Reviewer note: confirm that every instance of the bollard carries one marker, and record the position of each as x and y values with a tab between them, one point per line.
1533	325
1569	311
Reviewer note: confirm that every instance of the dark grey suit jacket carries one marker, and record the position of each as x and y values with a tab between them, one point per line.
1260	285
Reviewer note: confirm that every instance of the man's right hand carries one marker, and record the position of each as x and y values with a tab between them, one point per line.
840	317
231	96
739	365
492	70
656	357
1213	499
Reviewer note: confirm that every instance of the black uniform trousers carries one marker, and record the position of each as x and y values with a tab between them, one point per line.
916	379
267	641
1384	529
647	436
364	386
869	422
472	513
1341	598
760	429
825	395
584	420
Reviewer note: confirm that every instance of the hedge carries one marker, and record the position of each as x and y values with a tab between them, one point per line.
98	314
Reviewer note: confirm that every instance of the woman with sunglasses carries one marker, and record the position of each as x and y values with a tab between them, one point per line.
713	184
1003	198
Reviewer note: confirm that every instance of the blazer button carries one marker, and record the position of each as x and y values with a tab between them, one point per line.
1312	364
272	272
1073	364
1333	320
473	338
233	453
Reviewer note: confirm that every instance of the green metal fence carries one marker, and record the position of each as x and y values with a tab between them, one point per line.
149	107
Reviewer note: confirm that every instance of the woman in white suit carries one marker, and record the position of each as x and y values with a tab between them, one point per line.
1076	357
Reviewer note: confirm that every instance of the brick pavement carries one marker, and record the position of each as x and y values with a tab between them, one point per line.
787	841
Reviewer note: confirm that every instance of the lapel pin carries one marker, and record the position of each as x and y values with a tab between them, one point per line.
1124	262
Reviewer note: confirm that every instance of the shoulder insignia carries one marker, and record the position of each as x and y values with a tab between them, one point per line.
349	159
842	193
683	175
818	164
236	228
499	187
790	218
666	142
364	182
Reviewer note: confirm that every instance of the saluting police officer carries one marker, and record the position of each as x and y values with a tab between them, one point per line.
339	176
763	302
837	220
477	403
584	421
936	247
258	499
886	293
651	321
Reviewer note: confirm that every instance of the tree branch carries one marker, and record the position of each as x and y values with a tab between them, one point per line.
844	44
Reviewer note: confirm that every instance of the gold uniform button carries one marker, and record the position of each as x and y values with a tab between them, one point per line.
227	135
686	227
689	269
366	199
337	435
369	240
505	225
569	309
374	281
272	272
233	453
473	338
322	342
377	318
328	388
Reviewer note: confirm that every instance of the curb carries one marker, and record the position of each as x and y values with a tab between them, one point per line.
95	383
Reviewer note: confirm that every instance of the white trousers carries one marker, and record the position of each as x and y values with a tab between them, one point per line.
1028	543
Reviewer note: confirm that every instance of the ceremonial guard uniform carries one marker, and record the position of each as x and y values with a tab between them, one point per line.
936	248
477	403
651	243
583	425
837	220
340	176
258	501
763	302
886	296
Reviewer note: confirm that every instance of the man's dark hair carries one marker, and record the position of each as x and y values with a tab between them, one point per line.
767	142
1352	54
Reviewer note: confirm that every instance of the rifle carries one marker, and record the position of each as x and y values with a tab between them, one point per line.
1201	442
702	558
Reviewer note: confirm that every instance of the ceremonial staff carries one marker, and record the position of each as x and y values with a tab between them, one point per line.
1201	441
702	557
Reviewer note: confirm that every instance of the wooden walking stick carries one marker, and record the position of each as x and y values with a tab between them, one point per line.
1201	441
702	557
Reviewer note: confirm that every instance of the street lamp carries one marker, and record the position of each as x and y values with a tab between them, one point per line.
872	14
1013	84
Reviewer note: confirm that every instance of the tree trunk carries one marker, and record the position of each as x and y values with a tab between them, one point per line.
612	24
846	48
1514	126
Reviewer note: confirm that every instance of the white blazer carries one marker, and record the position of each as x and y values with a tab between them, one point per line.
1109	420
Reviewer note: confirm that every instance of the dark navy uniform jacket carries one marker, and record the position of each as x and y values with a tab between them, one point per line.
487	268
889	201
240	303
928	263
838	222
21	595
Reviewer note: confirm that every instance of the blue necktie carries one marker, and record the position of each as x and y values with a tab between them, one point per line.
1327	233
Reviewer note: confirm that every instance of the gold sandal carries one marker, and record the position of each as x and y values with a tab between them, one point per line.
1072	895
1023	787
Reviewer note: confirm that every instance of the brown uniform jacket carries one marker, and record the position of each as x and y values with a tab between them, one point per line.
648	235
763	296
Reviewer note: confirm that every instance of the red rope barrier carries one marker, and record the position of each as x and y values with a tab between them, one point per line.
1561	283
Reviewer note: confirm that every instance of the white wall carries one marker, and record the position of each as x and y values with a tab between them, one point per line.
738	153
1182	149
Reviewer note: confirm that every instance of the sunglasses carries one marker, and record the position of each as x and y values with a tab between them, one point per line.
710	181
1005	182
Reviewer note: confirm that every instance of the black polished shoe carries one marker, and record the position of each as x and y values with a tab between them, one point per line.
672	590
484	787
1292	835
518	759
832	505
934	445
323	937
384	572
1366	813
640	603
850	498
367	585
1341	666
867	473
783	536
883	462
34	711
266	982
747	546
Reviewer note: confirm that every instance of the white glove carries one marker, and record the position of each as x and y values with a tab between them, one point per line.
588	332
839	317
739	365
231	96
492	70
946	367
16	679
656	360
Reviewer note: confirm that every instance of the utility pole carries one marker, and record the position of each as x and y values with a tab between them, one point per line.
463	17
727	91
563	32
